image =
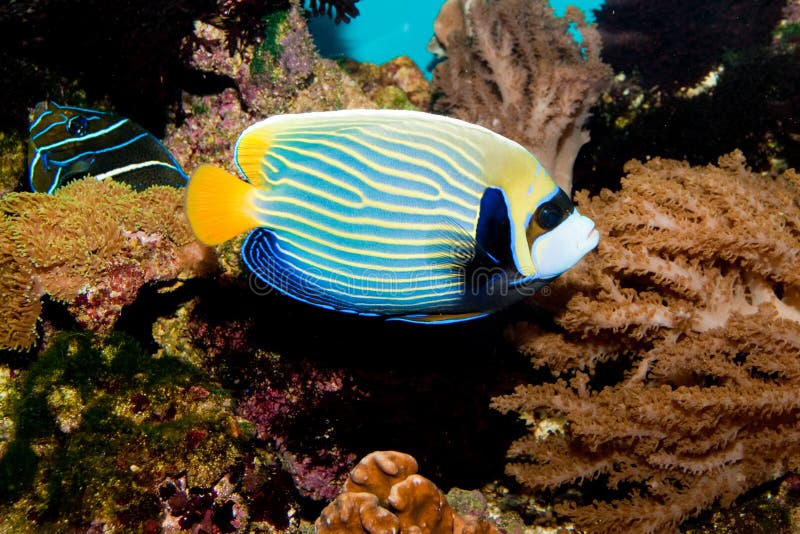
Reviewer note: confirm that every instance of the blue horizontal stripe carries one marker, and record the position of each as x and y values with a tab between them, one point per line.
100	151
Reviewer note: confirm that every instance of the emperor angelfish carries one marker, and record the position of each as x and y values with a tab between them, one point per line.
402	214
67	142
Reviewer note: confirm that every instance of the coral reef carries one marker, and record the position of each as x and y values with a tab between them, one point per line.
217	509
92	245
279	73
678	354
96	429
384	494
12	161
513	67
281	401
131	53
397	84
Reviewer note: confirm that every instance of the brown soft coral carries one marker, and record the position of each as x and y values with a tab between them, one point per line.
384	495
91	245
695	294
513	67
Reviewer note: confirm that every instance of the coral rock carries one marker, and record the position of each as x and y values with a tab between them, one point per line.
357	512
282	72
91	245
397	84
384	495
276	406
376	473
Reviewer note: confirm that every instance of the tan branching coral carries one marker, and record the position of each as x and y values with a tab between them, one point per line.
91	245
678	362
384	495
513	67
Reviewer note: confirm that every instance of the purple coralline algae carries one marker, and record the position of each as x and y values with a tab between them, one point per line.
280	72
275	407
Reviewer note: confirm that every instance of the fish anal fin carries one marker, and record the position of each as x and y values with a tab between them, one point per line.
218	205
439	319
264	257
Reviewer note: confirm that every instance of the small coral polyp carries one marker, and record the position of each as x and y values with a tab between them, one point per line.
92	246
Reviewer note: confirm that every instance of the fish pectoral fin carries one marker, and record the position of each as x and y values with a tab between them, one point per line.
438	319
453	243
219	205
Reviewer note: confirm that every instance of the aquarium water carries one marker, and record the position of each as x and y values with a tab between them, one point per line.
385	30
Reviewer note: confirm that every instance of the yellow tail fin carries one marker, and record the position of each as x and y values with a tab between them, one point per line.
219	205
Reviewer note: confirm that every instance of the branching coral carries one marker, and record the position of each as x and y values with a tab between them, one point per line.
91	245
695	294
512	67
345	9
385	495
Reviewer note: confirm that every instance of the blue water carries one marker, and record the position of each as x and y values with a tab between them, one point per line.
385	30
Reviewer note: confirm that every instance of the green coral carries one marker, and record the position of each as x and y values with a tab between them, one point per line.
12	161
392	97
787	35
264	62
133	418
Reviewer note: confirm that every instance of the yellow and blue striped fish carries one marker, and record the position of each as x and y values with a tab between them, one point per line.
393	213
68	142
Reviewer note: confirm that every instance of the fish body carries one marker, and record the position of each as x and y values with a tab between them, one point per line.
393	213
68	142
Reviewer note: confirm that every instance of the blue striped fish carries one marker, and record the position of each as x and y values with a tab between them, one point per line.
68	142
401	214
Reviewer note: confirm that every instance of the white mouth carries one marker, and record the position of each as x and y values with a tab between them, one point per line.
593	238
561	248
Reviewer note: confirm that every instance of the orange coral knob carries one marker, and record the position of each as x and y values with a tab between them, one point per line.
354	513
378	471
412	504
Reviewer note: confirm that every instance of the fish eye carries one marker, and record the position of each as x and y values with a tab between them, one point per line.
549	215
78	126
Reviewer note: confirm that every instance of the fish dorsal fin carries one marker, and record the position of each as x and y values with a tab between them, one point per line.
257	143
468	145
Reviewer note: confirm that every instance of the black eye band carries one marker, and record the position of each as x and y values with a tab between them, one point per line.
554	211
